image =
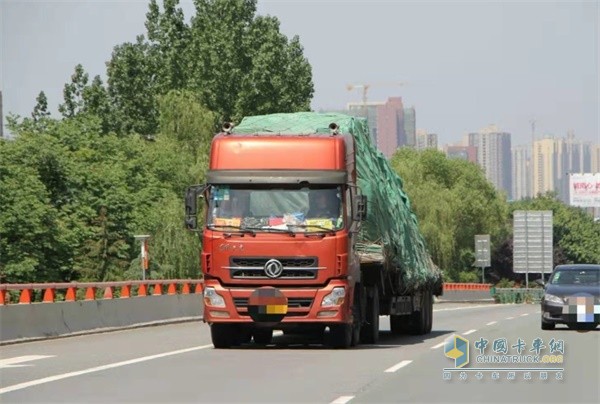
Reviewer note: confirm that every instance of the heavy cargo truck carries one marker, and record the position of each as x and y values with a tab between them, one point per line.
305	228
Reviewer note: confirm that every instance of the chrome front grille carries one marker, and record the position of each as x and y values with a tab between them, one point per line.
293	267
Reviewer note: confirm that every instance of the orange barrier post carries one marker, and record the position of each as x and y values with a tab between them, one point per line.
157	289
48	295
90	293
70	297
125	291
185	290
198	288
2	297
142	291
108	294
25	297
172	289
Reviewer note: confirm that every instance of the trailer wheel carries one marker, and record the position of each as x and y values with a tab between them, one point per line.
223	335
369	333
399	323
429	312
419	319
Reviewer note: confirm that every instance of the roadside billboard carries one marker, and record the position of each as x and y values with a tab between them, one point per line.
584	190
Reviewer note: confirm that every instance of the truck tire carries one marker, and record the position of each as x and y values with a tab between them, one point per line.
419	319
340	335
369	333
429	312
263	336
224	335
399	323
356	315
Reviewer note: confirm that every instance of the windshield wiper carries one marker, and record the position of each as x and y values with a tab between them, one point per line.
272	230
236	229
305	226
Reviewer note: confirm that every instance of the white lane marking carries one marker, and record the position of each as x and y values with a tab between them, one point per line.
469	332
13	362
441	344
524	314
491	323
509	318
49	379
397	366
342	400
473	307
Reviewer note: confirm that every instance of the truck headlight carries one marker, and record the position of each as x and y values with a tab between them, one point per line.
553	299
212	298
335	298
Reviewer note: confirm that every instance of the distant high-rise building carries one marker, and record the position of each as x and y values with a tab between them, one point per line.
494	156
386	123
468	153
595	158
522	173
1	118
390	126
545	166
554	159
369	111
410	126
426	140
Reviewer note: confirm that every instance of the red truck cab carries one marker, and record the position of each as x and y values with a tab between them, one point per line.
279	219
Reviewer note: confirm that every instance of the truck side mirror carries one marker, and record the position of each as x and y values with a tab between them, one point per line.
191	206
360	208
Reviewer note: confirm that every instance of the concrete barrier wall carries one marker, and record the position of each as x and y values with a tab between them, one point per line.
42	320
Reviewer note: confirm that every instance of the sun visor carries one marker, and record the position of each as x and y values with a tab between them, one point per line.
276	176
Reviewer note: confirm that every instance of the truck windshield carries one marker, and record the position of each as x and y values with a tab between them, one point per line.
314	209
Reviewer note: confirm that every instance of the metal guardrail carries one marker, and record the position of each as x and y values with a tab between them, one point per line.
47	292
517	295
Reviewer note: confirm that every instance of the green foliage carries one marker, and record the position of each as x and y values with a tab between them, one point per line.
73	93
453	201
40	111
469	277
505	283
73	198
235	63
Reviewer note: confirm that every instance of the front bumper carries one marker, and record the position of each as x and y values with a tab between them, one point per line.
552	312
304	304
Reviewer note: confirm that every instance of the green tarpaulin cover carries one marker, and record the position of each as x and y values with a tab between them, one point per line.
391	231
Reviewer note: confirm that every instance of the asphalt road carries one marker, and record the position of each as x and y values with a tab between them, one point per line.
177	363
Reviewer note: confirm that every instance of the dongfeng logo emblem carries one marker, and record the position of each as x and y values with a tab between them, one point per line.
273	268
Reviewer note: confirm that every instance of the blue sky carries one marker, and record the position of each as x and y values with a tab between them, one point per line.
465	64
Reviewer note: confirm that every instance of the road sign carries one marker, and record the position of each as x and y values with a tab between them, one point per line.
482	253
532	242
482	250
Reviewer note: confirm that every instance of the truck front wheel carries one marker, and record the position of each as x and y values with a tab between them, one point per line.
224	335
263	336
369	333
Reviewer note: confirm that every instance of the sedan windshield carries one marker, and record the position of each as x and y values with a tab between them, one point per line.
292	209
576	277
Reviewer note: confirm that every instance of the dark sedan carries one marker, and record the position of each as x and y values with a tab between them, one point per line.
572	297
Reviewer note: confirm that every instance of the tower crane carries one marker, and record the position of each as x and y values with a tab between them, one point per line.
365	88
